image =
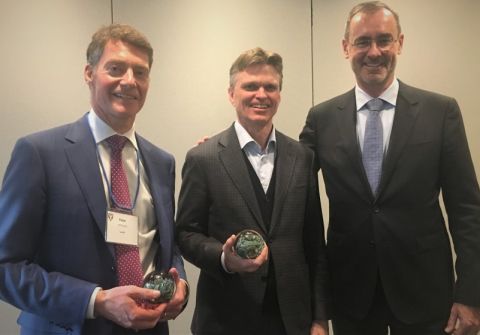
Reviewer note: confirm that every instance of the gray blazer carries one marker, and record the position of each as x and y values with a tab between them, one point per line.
217	199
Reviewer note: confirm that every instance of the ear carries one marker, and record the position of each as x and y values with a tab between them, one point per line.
345	46
88	74
400	44
230	94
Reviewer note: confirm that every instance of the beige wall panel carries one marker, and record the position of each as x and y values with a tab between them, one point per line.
440	54
195	43
43	46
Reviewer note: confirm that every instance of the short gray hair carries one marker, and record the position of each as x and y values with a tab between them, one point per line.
117	32
256	56
369	7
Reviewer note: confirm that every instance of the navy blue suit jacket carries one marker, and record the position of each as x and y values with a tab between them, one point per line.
52	247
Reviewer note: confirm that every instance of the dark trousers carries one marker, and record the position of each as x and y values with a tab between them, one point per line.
380	319
271	318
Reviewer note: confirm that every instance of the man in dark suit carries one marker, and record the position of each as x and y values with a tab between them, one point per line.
387	243
251	176
66	251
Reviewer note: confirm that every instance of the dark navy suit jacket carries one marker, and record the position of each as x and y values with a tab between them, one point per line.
52	247
400	235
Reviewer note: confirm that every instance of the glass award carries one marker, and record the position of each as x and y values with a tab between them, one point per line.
163	282
249	244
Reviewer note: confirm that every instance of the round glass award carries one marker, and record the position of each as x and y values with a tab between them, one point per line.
249	244
163	282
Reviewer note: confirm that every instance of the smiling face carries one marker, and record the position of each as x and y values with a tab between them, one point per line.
255	94
119	84
374	67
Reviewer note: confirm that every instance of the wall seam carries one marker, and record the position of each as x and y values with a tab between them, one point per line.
311	53
111	11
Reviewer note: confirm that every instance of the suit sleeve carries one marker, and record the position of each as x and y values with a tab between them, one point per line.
177	261
24	283
192	220
314	239
308	135
461	197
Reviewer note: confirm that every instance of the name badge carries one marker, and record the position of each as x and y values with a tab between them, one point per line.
121	228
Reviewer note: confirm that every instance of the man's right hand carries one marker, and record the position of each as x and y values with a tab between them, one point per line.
203	140
119	305
235	263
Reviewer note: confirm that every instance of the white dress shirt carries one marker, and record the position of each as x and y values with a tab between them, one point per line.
386	115
262	161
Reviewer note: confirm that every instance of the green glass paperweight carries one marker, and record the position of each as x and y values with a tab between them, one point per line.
163	282
249	244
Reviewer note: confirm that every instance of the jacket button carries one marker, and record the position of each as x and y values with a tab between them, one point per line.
376	210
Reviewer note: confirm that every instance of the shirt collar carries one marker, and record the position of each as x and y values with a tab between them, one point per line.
389	95
244	138
102	130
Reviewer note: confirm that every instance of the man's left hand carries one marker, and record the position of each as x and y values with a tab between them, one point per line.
464	320
319	328
176	304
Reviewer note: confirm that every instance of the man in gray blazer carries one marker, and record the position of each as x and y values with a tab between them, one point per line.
251	176
384	167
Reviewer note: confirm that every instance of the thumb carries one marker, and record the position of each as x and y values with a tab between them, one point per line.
175	275
452	320
228	246
144	293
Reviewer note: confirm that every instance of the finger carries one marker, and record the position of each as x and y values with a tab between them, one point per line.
202	140
175	275
264	254
140	293
229	243
452	320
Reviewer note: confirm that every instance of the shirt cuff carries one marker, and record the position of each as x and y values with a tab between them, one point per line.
224	266
187	293
91	304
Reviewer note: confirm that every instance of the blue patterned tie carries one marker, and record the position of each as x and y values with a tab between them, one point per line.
372	155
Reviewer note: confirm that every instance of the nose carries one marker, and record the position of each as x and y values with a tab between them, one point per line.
261	93
128	78
374	50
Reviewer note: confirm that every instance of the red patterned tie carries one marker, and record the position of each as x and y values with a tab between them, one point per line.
129	269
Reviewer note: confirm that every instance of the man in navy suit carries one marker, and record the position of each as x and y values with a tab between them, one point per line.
57	254
388	247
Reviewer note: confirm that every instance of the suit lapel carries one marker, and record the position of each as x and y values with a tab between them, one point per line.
405	115
347	124
284	166
231	156
160	191
80	150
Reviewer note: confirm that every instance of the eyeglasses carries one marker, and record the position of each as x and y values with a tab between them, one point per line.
382	43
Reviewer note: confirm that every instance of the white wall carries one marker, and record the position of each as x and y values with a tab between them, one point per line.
43	55
42	48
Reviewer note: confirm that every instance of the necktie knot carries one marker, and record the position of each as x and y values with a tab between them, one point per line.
375	105
116	143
